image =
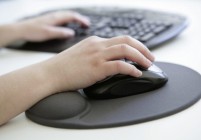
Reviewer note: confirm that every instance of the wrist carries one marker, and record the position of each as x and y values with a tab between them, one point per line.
45	79
51	77
58	77
18	31
9	34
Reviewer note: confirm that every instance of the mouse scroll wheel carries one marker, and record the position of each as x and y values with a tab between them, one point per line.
140	67
136	65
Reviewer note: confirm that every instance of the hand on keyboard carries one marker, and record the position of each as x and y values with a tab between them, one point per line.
152	28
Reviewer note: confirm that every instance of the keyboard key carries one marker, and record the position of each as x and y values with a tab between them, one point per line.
159	29
147	37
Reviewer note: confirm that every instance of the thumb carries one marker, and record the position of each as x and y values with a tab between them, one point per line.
59	32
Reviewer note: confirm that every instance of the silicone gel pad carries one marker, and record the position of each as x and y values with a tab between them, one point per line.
72	110
60	106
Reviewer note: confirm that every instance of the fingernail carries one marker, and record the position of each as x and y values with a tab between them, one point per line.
138	73
149	63
152	57
86	20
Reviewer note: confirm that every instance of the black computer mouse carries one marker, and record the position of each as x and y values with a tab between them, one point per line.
124	85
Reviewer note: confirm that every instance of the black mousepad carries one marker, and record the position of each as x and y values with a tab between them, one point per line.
181	91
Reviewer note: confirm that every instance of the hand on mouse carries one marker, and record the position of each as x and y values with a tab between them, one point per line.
41	28
80	66
94	59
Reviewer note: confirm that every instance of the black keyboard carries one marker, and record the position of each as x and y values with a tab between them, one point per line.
152	28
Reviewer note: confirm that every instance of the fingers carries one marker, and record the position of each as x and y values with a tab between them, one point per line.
122	51
119	51
121	67
131	42
57	32
62	17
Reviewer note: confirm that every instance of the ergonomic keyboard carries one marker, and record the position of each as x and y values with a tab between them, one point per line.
150	27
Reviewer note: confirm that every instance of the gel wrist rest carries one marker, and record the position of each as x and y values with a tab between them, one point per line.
73	110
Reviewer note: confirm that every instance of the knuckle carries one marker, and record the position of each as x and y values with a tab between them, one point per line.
118	66
75	15
124	48
93	39
71	12
47	32
54	16
93	45
127	39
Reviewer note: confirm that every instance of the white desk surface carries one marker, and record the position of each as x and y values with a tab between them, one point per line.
184	50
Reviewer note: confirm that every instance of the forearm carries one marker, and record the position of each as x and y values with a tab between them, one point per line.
20	89
80	66
9	34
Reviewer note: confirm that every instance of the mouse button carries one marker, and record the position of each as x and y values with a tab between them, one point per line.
157	79
154	68
130	87
136	65
162	75
120	77
100	90
150	75
60	106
